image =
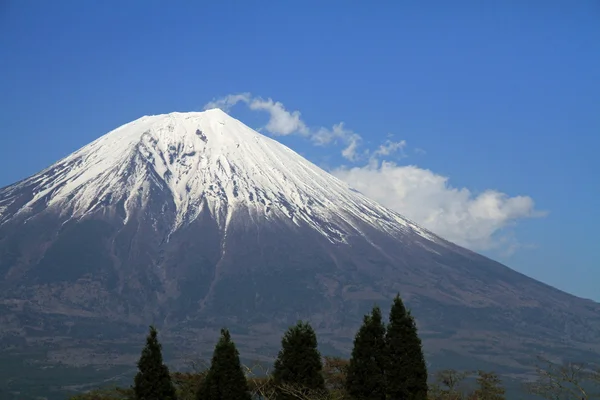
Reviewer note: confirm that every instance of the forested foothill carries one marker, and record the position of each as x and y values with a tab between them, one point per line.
386	363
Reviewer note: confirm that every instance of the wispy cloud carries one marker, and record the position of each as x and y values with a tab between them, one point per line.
281	122
227	102
339	133
389	148
284	122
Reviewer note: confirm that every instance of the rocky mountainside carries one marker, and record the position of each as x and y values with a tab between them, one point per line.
193	221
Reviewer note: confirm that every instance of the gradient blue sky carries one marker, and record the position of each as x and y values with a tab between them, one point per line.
502	96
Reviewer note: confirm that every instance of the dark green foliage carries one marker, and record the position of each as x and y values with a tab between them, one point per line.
153	382
298	363
489	387
366	370
225	379
406	372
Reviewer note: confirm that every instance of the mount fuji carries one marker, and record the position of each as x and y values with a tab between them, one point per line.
193	221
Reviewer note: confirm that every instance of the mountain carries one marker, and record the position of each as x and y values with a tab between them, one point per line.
193	221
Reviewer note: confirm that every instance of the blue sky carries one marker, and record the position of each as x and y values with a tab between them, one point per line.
501	99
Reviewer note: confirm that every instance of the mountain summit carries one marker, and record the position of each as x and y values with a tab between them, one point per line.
193	221
198	161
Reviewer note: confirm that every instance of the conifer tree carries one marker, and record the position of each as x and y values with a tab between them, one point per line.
365	379
225	379
299	363
406	371
153	382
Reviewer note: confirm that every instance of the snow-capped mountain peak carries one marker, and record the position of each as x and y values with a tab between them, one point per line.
195	221
202	160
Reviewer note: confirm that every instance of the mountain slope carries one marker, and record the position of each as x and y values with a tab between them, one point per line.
194	221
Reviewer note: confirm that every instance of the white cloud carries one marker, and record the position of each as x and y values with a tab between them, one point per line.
350	152
339	132
281	122
225	103
284	122
389	148
476	221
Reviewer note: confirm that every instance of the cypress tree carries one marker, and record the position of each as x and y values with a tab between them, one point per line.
406	372
366	371
225	379
153	382
299	363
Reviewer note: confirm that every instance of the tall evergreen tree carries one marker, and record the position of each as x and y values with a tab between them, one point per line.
299	363
406	371
225	379
153	382
365	378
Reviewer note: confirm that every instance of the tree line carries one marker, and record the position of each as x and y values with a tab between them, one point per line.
386	363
